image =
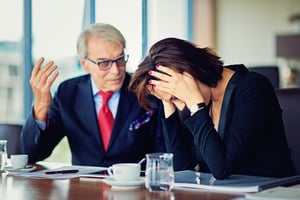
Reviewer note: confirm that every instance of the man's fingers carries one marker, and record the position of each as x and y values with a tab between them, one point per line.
42	78
37	67
52	78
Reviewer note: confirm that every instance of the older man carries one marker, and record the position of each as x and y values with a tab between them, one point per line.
82	104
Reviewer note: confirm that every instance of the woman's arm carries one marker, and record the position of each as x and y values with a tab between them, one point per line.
179	141
250	110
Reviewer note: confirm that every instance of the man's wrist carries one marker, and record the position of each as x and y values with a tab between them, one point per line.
40	114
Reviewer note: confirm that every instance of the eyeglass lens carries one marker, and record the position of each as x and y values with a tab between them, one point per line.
121	61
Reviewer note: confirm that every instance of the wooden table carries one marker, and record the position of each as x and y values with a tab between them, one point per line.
14	187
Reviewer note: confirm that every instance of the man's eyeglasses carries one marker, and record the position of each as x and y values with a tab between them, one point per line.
106	64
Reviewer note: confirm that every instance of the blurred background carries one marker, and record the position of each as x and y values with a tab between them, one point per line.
262	34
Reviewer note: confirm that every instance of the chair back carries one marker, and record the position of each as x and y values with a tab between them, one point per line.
271	72
11	133
289	99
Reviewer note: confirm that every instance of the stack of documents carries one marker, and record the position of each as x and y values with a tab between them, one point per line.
277	193
234	183
65	172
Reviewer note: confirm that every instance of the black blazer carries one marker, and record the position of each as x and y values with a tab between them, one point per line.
250	138
72	114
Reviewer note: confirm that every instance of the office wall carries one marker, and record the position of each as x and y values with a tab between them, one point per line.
166	19
246	29
204	32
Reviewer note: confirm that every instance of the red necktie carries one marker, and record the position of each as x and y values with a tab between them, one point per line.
105	119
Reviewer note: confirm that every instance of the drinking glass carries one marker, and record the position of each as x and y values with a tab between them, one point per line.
3	154
159	172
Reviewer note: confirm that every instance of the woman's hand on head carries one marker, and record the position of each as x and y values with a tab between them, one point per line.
158	93
180	85
169	107
165	97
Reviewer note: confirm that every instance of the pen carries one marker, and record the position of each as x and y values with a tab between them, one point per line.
67	171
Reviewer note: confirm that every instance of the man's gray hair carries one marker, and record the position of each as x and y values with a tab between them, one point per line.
98	30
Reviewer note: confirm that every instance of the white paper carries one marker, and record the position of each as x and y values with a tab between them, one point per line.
233	184
81	170
277	193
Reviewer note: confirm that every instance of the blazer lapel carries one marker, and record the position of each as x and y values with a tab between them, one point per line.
240	70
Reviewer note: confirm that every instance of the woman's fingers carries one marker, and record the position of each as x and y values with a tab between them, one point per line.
166	82
160	76
165	70
158	93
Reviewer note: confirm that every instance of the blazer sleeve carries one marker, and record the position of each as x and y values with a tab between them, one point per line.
39	144
178	141
252	107
29	138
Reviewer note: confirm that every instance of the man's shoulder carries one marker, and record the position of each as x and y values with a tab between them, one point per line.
75	80
72	85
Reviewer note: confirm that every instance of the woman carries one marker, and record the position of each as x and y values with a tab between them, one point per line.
234	124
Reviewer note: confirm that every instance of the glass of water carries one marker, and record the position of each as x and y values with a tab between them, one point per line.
159	172
3	154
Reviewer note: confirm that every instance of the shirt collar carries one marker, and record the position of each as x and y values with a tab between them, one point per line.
95	90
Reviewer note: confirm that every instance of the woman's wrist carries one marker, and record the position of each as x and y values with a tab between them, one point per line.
169	108
196	107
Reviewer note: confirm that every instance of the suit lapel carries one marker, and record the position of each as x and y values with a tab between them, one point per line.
127	103
86	109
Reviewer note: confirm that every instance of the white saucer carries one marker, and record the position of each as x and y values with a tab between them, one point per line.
124	185
26	169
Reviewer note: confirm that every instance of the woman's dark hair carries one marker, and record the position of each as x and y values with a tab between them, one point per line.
180	55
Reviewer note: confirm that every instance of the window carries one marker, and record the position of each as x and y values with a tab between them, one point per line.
56	25
11	82
125	15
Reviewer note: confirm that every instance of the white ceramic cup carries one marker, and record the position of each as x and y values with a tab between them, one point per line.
19	161
125	171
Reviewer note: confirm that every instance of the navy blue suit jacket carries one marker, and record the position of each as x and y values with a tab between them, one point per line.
72	114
